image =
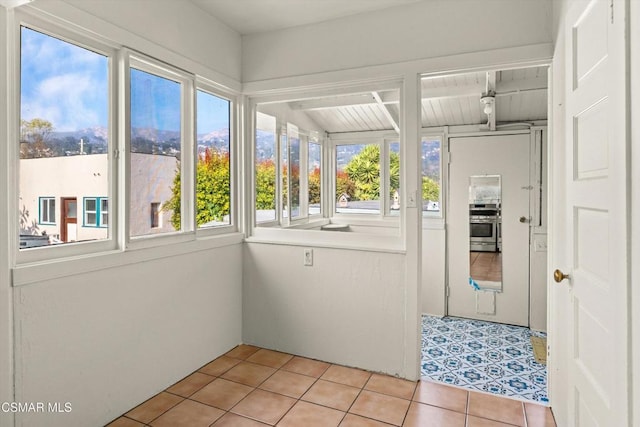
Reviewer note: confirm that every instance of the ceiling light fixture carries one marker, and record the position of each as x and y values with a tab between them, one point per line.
488	100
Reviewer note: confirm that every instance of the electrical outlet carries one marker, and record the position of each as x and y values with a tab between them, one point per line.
540	246
308	257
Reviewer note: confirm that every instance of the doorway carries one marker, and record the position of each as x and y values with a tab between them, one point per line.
494	275
69	222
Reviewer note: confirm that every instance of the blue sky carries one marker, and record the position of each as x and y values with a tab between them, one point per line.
62	83
68	86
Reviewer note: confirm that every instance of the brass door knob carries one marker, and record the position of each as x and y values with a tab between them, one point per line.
559	276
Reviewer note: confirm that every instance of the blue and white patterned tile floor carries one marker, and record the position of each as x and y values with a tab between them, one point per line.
483	356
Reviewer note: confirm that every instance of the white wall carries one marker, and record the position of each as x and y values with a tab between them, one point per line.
348	308
107	340
135	322
178	26
427	29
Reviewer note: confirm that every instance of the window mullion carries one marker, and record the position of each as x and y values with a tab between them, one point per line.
187	160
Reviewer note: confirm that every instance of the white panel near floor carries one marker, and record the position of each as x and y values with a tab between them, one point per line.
107	340
348	308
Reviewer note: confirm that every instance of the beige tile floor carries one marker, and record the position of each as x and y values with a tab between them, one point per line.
252	387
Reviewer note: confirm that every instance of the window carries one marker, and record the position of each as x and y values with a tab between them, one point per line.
265	168
64	134
47	210
431	197
96	212
315	176
156	148
177	157
90	212
357	178
288	164
213	166
104	212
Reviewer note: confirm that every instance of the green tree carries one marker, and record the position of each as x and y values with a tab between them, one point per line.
364	170
394	173
266	185
314	185
34	135
430	189
213	199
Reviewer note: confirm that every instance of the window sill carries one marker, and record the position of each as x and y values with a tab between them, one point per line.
26	274
370	242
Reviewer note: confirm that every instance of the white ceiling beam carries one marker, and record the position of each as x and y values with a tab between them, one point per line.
523	85
452	91
333	102
10	4
385	110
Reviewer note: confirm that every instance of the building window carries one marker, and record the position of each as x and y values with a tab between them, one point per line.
156	218
63	141
156	149
90	212
431	195
96	212
104	212
47	210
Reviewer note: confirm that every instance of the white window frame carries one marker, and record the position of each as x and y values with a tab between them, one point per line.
282	141
48	201
30	263
56	29
104	213
213	89
86	211
252	168
134	60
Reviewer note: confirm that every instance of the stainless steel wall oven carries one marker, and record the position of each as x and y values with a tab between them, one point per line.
483	227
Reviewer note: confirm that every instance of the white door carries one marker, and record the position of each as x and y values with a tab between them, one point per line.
593	238
508	157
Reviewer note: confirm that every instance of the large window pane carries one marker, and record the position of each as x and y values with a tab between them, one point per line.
63	143
358	178
315	177
265	167
430	175
213	174
155	154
